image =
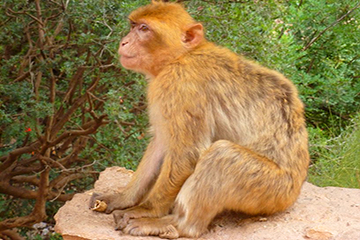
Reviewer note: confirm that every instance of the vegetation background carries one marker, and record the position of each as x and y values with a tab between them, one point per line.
68	110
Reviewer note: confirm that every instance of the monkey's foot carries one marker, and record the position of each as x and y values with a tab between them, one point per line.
151	227
122	217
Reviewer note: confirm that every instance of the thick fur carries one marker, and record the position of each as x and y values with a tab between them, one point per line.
228	134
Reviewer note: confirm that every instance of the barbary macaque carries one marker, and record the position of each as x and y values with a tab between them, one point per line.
227	133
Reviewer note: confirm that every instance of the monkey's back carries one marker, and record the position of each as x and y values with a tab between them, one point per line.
243	102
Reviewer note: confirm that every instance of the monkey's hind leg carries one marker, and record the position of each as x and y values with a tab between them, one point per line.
162	227
229	177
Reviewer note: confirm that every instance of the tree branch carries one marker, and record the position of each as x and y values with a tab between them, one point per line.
330	26
10	235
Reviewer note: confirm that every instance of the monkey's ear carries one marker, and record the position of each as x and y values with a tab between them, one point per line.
193	36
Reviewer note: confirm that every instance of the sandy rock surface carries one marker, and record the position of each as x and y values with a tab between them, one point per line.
319	213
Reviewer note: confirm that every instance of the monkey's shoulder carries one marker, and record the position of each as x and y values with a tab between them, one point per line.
210	66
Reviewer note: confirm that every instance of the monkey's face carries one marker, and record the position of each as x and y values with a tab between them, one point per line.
132	49
156	38
145	49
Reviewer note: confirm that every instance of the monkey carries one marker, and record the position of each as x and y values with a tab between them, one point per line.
226	132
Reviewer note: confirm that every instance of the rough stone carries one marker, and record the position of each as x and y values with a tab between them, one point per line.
319	213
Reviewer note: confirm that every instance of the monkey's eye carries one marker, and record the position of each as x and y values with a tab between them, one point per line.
143	27
132	24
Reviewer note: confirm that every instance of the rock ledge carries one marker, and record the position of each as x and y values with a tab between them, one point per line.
319	213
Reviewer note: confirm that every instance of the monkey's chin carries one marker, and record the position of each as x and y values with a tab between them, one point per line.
130	63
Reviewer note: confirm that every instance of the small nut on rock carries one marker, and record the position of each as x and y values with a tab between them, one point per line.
99	206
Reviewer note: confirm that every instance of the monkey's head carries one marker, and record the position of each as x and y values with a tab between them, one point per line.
160	33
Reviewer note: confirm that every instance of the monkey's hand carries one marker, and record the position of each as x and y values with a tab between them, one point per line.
114	201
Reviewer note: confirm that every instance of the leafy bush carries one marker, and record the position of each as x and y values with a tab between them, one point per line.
338	158
328	73
60	83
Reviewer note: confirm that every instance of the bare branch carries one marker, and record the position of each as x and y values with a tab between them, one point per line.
34	180
26	13
10	234
22	77
330	26
19	221
92	129
12	156
18	192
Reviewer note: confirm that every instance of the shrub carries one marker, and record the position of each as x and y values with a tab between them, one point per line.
338	158
60	83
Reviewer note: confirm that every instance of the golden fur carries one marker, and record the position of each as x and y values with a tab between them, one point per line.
228	134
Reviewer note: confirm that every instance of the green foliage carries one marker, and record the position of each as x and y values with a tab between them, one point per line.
82	35
329	75
115	144
41	237
338	158
87	26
